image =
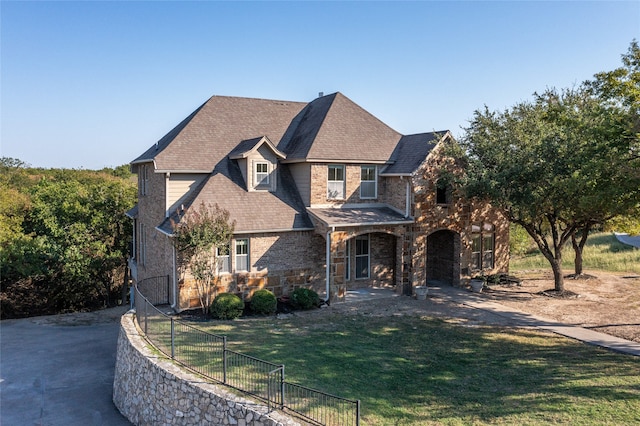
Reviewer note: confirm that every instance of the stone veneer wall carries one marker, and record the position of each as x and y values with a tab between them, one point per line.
149	389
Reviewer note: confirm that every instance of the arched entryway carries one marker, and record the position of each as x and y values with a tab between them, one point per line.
443	257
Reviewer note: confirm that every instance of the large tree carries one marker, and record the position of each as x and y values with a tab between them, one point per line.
199	236
613	196
554	165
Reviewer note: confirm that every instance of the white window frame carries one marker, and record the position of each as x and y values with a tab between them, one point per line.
223	264
264	181
359	256
335	187
368	182
241	242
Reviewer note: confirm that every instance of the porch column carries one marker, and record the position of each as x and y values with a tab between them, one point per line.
338	286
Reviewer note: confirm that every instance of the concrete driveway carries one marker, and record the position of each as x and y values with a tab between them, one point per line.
59	370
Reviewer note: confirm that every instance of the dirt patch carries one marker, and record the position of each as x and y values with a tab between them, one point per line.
604	302
601	301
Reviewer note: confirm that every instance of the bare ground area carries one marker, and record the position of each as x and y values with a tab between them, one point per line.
601	301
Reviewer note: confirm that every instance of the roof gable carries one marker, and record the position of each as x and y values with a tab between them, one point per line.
250	146
411	151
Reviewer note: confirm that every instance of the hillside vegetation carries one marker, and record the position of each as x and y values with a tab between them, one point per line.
64	238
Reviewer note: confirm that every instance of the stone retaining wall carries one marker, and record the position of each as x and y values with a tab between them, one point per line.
149	389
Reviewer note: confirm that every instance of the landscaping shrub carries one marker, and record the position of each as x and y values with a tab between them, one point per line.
304	298
264	302
226	306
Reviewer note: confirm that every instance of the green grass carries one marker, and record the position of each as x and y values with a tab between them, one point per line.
421	371
426	371
602	252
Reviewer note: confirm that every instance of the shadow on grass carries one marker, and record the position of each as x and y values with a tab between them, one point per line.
411	370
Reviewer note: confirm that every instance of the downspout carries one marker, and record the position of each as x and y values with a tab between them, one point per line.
167	178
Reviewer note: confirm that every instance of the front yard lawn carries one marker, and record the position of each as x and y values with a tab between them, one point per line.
410	370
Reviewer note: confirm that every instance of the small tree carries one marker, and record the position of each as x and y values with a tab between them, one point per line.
197	237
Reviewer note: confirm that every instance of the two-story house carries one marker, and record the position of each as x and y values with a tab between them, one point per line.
323	195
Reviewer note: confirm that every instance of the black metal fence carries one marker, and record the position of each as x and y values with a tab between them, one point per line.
207	355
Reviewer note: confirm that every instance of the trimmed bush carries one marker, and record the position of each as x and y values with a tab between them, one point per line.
264	302
226	306
304	298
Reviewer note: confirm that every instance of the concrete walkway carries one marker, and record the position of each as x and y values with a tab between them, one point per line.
517	318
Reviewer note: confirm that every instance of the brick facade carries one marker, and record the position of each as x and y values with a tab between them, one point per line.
280	262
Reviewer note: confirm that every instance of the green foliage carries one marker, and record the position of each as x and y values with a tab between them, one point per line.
196	237
304	298
264	302
227	306
562	163
520	241
63	237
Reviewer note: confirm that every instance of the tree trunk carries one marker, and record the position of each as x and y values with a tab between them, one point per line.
578	248
578	256
553	254
558	277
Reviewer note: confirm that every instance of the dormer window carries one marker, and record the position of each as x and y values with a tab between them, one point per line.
258	161
261	173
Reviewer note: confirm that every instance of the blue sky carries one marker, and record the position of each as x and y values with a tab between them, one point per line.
94	84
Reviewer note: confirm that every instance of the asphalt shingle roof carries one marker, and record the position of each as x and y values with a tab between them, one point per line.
253	211
411	152
334	128
211	132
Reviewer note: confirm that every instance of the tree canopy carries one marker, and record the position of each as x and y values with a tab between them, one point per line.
557	164
64	238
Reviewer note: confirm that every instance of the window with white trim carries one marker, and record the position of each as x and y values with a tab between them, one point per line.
261	173
335	182
482	246
242	255
222	259
362	256
368	182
